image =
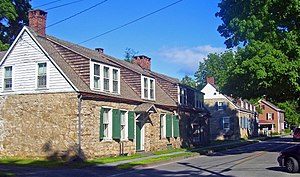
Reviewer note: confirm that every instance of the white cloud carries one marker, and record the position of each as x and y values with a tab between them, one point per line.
188	59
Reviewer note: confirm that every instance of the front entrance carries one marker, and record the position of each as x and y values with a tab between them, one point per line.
140	136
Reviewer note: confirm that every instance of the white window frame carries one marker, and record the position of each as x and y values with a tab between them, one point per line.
110	74
12	78
270	114
220	107
226	120
247	105
124	131
109	125
148	79
98	76
182	96
47	75
163	127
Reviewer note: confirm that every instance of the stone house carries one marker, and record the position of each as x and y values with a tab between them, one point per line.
62	99
230	118
271	118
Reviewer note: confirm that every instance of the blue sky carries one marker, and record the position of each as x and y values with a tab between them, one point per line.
176	39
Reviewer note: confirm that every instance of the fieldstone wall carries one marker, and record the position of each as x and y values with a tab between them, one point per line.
216	131
42	125
93	147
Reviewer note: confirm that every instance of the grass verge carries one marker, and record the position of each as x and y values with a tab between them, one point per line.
153	160
167	151
5	174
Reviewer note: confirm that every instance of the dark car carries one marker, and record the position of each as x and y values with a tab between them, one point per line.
290	158
296	134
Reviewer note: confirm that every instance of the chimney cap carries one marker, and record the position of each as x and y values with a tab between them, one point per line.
41	12
142	57
99	49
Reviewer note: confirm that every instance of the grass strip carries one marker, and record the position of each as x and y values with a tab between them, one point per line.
153	160
167	151
113	159
6	174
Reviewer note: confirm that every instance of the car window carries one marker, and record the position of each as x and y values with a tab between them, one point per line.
297	130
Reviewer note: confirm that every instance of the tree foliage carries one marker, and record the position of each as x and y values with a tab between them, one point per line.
291	115
218	66
130	54
270	61
13	16
187	80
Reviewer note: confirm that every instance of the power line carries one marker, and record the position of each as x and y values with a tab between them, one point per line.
133	21
46	4
72	16
62	5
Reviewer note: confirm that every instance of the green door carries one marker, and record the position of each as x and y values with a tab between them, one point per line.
138	136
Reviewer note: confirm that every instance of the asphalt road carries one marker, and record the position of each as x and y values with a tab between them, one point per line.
256	160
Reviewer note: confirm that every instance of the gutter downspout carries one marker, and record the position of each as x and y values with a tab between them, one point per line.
79	126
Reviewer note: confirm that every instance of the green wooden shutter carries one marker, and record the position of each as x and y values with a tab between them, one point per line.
101	132
176	126
130	125
116	122
160	122
169	125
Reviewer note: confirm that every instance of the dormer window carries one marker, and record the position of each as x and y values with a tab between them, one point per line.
105	78
148	88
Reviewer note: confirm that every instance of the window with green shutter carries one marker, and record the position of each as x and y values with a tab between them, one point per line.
130	125
101	132
169	125
116	124
176	126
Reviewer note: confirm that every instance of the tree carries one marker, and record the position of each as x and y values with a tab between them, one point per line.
130	54
218	66
270	62
187	80
13	16
291	116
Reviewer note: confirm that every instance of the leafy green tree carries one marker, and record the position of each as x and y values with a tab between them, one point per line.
291	115
270	62
130	54
13	16
187	80
218	66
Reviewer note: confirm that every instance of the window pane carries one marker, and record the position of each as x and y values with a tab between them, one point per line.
42	68
106	84
96	82
106	116
106	72
145	83
115	74
151	84
115	87
8	72
96	70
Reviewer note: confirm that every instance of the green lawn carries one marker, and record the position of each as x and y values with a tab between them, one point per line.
152	160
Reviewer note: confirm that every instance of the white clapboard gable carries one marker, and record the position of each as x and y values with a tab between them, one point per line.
24	56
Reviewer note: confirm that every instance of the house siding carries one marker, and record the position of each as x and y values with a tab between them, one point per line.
132	78
24	58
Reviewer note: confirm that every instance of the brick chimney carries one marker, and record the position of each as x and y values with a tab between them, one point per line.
37	21
210	80
143	61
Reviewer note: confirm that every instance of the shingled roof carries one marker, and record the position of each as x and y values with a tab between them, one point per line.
59	50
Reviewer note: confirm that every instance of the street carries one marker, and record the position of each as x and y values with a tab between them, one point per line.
258	159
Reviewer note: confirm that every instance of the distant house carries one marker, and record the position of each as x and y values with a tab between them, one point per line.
230	118
60	99
271	118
